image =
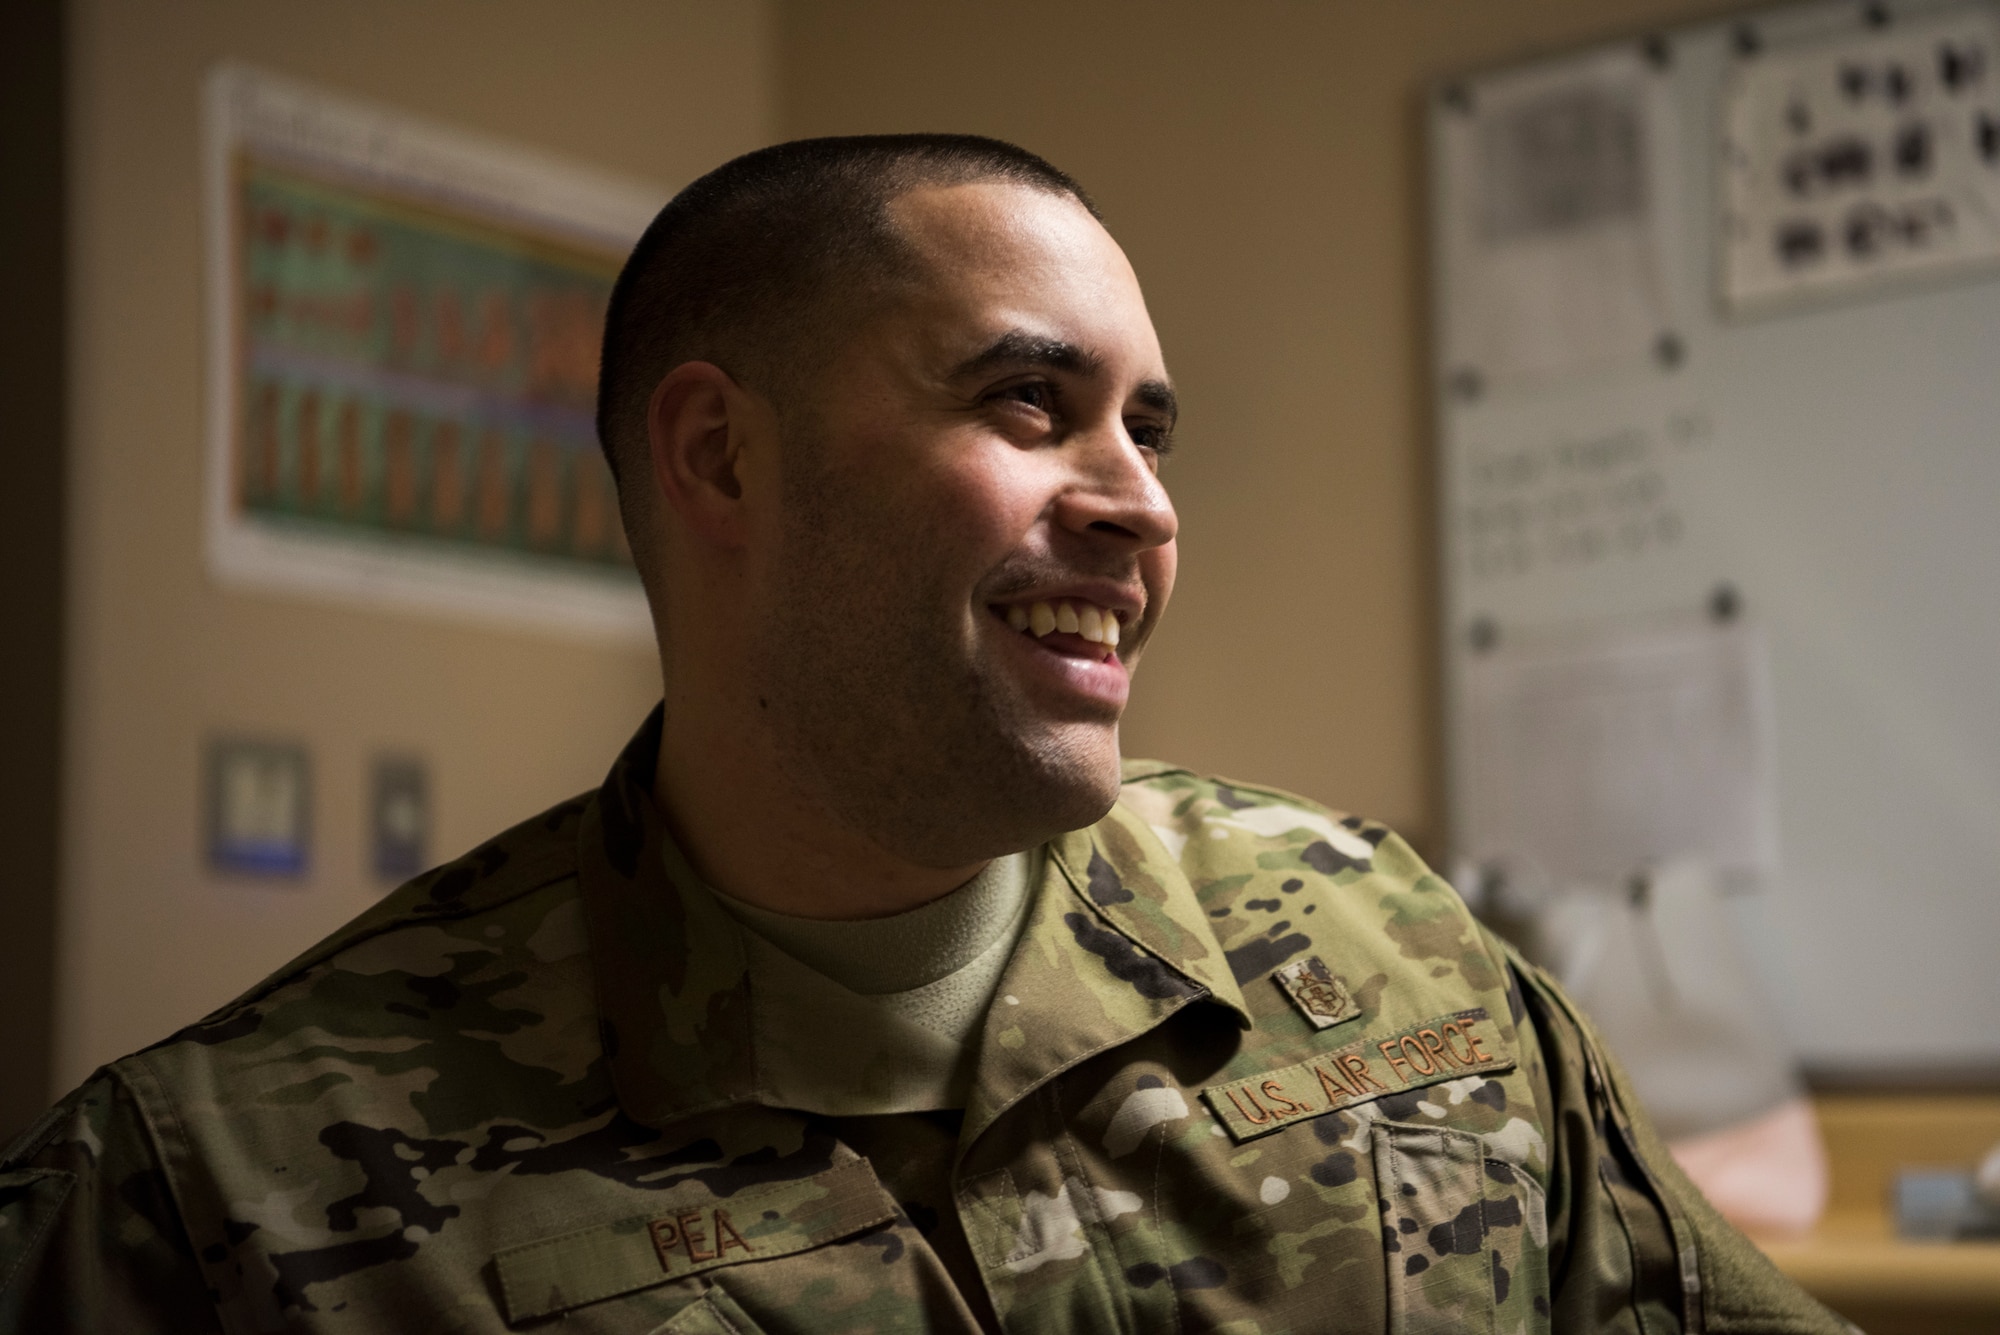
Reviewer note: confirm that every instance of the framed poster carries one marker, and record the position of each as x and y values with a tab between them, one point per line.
403	337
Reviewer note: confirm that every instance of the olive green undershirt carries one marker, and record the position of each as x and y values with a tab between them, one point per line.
882	1015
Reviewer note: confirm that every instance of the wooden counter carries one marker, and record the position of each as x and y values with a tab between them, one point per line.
1853	1262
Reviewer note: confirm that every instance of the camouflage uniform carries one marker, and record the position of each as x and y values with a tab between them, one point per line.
1252	1069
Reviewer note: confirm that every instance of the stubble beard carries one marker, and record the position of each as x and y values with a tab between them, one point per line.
884	707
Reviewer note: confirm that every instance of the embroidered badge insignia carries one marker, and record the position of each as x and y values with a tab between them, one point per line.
1459	1046
1320	997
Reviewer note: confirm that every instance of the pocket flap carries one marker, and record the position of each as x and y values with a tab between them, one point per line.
691	1231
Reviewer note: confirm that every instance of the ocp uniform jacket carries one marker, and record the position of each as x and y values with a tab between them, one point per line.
1250	1068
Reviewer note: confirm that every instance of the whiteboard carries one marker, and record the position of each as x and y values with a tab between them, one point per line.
1817	451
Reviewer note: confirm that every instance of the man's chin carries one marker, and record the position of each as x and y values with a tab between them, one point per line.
1077	778
1065	779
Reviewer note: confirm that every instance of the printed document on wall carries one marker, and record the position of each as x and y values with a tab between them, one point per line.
1555	187
1863	158
1593	755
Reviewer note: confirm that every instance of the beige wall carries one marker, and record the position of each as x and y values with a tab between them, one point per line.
1261	162
160	657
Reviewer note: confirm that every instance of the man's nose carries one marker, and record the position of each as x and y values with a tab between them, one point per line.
1116	493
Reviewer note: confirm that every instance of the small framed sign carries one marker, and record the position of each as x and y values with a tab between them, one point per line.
399	817
259	807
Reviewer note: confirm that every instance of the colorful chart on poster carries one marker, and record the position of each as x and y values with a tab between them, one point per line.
405	325
410	372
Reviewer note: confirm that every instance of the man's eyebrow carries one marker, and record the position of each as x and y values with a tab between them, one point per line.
1160	397
1018	347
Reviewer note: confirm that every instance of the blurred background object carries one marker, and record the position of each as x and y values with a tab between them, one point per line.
1663	971
1266	166
1986	1178
1766	1172
1714	310
1855	1260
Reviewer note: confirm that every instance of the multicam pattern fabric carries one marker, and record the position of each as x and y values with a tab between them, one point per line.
525	1089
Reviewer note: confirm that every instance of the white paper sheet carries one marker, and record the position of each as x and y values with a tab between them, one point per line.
1551	222
1594	755
1863	158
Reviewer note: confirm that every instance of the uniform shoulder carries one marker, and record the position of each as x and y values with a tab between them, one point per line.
1183	806
534	854
1282	878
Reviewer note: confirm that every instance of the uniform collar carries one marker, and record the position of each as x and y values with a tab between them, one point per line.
673	989
1116	942
1121	870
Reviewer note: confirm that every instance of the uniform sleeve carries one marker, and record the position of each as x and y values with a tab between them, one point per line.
90	1238
1633	1244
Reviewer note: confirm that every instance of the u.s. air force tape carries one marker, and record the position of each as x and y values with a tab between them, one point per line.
1464	1043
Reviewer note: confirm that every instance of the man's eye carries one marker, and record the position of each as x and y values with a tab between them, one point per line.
1034	394
1151	436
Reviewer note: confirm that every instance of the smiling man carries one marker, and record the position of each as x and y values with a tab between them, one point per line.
872	991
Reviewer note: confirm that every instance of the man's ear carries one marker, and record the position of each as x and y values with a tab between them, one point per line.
696	427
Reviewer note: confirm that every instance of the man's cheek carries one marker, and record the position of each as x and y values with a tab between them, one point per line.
1158	568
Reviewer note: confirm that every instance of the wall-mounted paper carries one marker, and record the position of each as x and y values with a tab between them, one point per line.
1551	222
404	324
1533	507
1593	755
1870	156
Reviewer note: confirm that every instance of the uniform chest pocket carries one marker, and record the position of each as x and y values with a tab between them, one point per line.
690	1231
1464	1235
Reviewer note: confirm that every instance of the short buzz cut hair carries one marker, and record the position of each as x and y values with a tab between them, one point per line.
753	266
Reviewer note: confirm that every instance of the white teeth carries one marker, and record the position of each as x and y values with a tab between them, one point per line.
1099	625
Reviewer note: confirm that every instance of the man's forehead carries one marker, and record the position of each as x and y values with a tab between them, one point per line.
1011	273
982	216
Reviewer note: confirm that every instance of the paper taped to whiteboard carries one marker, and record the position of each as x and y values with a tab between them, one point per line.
1595	754
1551	221
1862	158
